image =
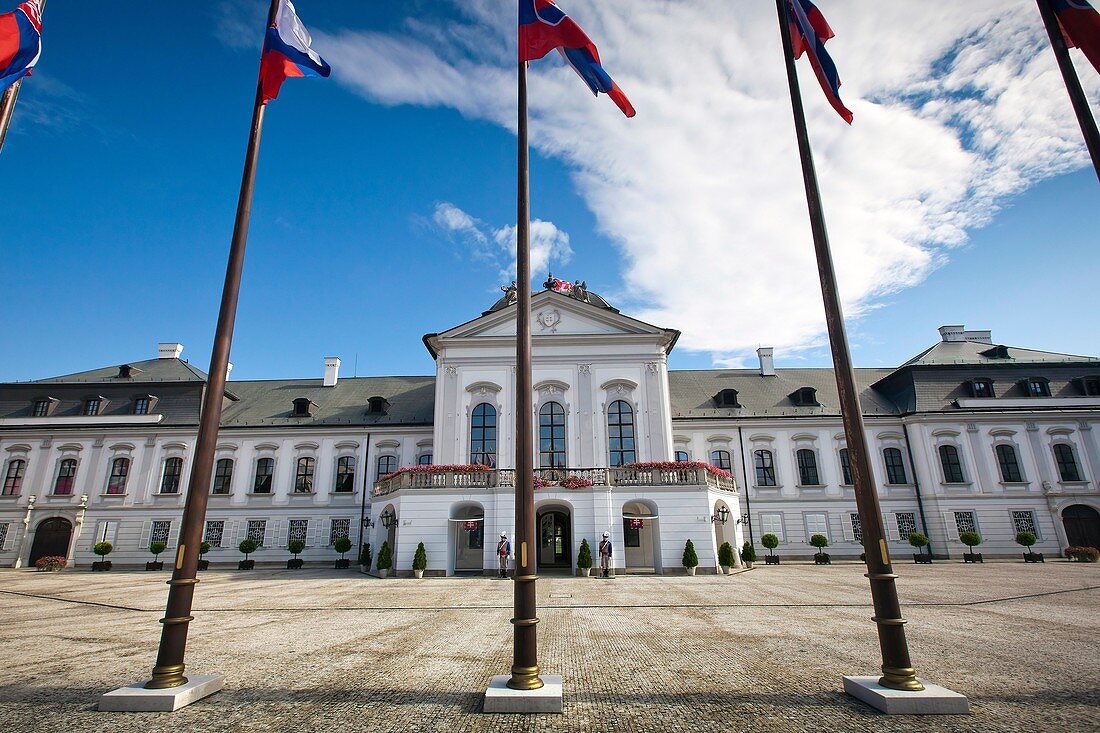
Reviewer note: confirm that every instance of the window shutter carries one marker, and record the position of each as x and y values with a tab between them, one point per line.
229	534
952	527
281	532
146	528
314	537
6	545
846	526
890	522
173	534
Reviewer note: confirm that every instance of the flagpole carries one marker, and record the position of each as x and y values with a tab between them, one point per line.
7	100
525	666
898	672
1073	83
168	671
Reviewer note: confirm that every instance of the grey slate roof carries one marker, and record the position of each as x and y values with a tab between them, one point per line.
150	370
967	352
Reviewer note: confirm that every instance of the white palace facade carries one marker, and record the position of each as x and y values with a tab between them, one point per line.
968	435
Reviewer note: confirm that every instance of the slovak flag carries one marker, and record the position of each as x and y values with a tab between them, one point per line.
1081	26
287	52
809	31
20	42
544	27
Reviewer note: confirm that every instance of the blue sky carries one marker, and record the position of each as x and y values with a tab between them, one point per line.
125	156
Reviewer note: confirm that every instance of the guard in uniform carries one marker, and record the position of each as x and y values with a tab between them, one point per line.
504	549
605	555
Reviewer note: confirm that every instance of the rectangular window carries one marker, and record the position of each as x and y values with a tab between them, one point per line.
173	470
1024	521
91	407
1092	387
257	528
817	524
141	406
952	465
1067	462
895	466
340	528
66	477
765	468
303	478
1009	463
981	388
964	522
345	475
212	535
1038	388
265	467
223	476
845	467
771	524
807	468
907	524
298	530
41	408
857	528
632	534
160	530
13	477
3	534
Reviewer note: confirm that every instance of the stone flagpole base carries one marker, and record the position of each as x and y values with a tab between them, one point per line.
500	698
932	700
137	698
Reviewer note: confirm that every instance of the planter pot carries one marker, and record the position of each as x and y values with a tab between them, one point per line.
343	564
154	566
294	564
584	572
973	557
204	564
748	564
691	571
822	558
98	567
1034	557
418	574
383	572
921	559
725	570
246	565
771	559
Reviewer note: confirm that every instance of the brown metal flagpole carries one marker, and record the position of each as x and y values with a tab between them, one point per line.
168	671
7	100
1073	84
525	665
897	670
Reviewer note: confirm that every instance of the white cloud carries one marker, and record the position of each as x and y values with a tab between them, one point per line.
958	105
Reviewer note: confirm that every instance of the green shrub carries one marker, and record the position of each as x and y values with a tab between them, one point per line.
1083	554
103	549
770	541
918	540
584	556
342	545
691	560
247	547
819	541
970	539
296	546
156	548
365	555
385	558
1027	539
748	552
725	554
204	547
420	558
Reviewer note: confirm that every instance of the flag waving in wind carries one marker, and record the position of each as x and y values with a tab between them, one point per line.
20	42
809	31
288	52
1081	26
544	27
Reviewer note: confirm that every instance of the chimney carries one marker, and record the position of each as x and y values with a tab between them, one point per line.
767	366
167	350
959	333
228	369
332	370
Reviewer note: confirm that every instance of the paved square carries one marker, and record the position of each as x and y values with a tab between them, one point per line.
763	650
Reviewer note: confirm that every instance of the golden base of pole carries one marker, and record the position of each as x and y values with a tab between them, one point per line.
900	678
525	678
170	675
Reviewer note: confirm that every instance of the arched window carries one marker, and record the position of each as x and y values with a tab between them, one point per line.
720	459
807	467
386	465
223	476
303	476
952	465
552	436
265	469
170	481
845	467
120	469
66	477
681	456
13	477
424	459
620	433
765	467
1009	463
483	435
345	475
895	467
1067	462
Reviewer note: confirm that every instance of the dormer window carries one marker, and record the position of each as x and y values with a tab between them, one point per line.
142	405
125	371
997	352
377	406
92	406
43	406
981	388
726	398
1037	387
805	397
1091	386
303	407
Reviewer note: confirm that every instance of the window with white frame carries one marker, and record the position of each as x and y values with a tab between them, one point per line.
1009	461
212	535
66	477
951	464
907	524
223	476
845	467
386	465
341	527
170	480
1023	520
965	522
303	477
299	530
857	528
265	469
895	466
771	524
345	475
817	524
681	456
807	467
721	459
424	459
160	530
765	467
257	528
120	469
13	477
1067	462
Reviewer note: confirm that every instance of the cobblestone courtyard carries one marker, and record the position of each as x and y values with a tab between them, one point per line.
763	650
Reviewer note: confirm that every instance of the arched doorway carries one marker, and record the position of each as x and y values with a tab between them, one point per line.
387	532
51	538
725	531
1082	525
468	538
555	538
641	537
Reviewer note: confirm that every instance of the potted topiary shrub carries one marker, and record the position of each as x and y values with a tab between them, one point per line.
342	545
971	540
690	560
156	548
920	541
366	557
385	560
103	549
771	542
1078	553
748	554
584	559
247	547
420	561
204	547
295	546
1027	539
821	557
725	557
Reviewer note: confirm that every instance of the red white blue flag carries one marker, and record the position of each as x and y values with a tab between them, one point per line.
809	32
20	42
288	52
543	27
1081	26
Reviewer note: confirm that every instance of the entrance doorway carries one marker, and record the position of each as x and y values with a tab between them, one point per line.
468	525
1082	525
641	537
555	544
51	538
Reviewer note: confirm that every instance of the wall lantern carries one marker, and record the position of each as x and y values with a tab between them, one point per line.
368	522
722	515
388	519
744	519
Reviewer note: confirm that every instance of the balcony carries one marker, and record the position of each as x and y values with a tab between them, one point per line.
551	478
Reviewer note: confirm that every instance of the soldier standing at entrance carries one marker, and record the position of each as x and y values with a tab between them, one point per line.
504	549
605	555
